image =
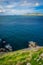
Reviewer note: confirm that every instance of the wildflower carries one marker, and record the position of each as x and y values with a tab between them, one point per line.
28	64
19	63
41	55
38	59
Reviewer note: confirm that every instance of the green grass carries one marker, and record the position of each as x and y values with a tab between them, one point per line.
22	57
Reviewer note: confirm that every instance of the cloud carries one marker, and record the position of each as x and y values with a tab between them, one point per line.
29	4
8	47
37	4
18	12
12	5
20	7
25	3
2	10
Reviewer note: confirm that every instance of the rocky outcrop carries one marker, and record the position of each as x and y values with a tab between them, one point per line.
2	50
32	44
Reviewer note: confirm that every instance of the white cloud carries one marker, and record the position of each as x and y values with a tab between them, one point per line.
12	5
25	3
29	4
15	11
2	10
18	12
37	4
22	4
13	8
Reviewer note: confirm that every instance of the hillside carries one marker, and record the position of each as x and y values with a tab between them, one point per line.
34	14
32	56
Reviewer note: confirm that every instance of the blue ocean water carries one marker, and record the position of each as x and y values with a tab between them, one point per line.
18	30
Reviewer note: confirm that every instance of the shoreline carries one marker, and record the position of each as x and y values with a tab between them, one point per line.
35	48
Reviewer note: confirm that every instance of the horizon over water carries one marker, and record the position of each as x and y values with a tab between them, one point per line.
18	30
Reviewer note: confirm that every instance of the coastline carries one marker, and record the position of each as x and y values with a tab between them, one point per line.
23	57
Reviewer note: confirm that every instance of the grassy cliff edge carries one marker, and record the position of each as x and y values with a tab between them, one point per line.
32	56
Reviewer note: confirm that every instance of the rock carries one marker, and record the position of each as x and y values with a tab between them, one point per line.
4	41
8	47
0	40
2	50
32	44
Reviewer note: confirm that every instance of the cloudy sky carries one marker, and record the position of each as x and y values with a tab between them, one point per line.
17	7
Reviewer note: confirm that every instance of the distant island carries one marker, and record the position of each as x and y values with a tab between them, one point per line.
33	14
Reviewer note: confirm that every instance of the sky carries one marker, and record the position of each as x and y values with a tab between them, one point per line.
19	7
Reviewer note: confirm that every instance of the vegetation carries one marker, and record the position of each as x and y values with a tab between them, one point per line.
33	56
34	14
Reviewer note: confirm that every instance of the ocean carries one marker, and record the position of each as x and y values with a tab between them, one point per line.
19	30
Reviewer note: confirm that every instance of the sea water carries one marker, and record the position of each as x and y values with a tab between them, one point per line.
19	30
